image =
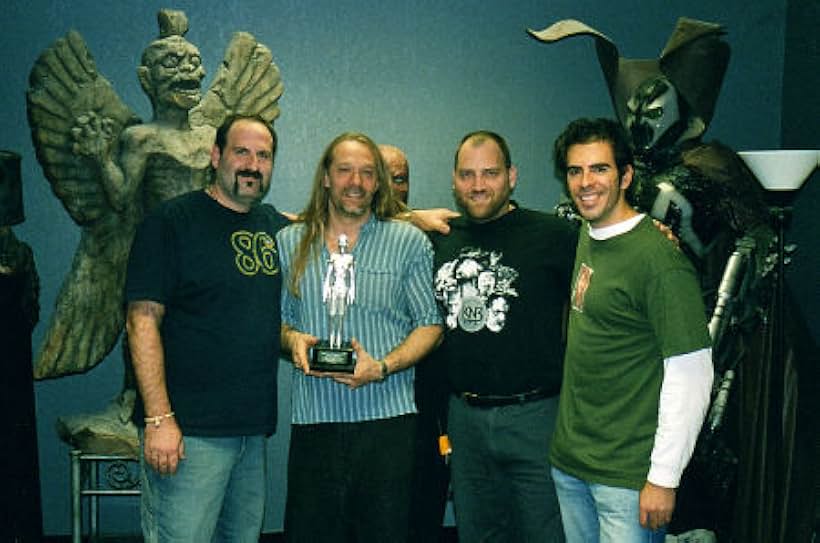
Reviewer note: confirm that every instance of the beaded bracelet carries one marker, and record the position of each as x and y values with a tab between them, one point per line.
156	421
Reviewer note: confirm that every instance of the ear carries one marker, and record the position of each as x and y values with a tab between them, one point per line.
144	76
215	156
513	176
326	181
626	178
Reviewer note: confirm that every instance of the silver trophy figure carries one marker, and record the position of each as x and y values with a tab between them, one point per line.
338	292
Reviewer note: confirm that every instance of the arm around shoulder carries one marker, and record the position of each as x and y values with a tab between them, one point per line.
430	220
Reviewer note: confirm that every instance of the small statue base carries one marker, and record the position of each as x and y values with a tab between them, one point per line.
337	359
109	431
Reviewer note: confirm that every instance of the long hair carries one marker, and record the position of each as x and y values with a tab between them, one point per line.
315	215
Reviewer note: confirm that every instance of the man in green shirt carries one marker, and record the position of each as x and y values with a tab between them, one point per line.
638	369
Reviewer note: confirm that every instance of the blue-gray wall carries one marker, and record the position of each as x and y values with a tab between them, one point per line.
801	120
416	74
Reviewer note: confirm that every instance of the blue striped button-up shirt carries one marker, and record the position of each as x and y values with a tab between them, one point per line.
394	296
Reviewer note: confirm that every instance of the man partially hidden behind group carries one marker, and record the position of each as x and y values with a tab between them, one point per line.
432	473
638	366
202	289
399	169
352	434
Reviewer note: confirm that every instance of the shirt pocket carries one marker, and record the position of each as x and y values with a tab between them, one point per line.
378	289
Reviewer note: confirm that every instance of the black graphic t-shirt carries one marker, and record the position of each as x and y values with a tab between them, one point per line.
502	287
217	274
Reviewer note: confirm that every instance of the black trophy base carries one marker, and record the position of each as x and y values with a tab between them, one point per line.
327	358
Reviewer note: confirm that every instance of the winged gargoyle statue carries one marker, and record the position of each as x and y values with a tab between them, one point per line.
108	168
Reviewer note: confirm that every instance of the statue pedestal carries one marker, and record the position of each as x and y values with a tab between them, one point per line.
109	431
95	476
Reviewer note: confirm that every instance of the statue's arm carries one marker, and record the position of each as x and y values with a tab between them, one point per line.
133	160
121	163
351	291
122	176
327	285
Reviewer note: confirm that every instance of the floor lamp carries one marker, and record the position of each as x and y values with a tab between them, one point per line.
781	173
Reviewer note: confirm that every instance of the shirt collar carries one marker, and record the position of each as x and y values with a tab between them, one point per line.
612	230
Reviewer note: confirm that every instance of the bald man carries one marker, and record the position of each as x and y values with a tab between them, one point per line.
399	170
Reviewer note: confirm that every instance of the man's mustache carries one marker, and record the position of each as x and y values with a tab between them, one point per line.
249	173
246	173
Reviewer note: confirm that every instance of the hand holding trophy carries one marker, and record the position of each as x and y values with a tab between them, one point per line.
338	292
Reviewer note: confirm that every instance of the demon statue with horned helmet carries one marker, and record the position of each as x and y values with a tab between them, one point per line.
108	169
703	191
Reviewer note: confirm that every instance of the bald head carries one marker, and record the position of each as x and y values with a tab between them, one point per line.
399	170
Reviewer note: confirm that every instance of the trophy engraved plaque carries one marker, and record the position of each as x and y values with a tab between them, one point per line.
338	292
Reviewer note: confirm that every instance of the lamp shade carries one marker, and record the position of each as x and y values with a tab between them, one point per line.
782	170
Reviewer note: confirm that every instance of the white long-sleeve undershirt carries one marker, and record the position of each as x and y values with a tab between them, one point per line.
685	393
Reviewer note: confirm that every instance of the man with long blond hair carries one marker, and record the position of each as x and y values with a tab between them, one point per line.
352	436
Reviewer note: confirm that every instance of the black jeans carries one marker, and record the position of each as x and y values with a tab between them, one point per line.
350	481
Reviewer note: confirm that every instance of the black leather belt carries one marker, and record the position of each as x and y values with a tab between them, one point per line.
497	400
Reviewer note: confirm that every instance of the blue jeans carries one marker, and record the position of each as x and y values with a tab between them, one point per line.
595	513
217	493
502	488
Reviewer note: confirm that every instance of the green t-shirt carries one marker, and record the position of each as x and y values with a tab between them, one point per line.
635	301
